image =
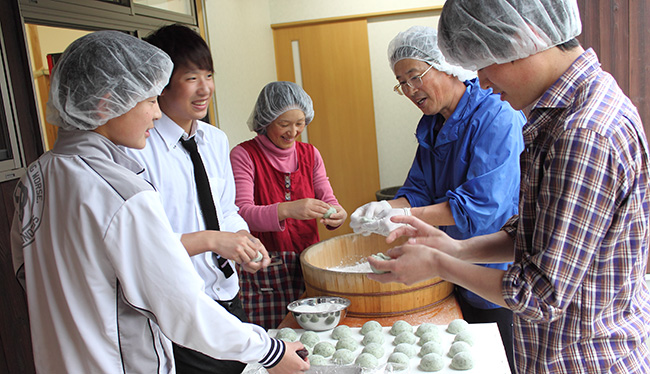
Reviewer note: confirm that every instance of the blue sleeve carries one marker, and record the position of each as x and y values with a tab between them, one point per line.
489	195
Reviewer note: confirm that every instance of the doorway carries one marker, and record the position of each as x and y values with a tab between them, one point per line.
44	44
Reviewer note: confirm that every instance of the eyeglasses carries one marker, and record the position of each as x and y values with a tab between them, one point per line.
413	82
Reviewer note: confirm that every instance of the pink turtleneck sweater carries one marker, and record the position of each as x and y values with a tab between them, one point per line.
265	217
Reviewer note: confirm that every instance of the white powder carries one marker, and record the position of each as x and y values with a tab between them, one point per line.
360	267
318	308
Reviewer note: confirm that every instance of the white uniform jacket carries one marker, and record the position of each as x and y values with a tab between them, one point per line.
108	283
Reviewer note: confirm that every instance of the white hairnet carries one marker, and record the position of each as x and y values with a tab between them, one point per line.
102	76
421	43
275	99
479	33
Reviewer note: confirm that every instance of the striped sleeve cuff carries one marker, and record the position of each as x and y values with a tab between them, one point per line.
510	227
275	354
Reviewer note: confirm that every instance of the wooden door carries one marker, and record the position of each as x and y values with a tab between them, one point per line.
335	72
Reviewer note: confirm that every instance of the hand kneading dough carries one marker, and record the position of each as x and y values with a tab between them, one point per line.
329	212
382	257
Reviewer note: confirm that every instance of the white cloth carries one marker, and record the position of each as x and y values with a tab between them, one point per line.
369	212
108	282
374	217
169	168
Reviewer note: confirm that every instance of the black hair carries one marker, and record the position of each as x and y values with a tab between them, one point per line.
184	45
569	45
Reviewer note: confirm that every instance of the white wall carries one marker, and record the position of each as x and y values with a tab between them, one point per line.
241	40
396	117
301	10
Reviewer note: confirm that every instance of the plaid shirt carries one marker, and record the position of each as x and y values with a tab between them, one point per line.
581	240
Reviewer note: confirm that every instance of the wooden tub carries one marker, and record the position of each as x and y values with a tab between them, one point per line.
369	299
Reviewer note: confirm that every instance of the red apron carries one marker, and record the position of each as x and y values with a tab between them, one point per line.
266	294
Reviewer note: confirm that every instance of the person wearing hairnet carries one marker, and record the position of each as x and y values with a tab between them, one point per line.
465	175
169	167
109	285
580	241
282	192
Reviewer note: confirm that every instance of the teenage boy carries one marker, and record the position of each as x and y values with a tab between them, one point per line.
580	241
170	167
109	285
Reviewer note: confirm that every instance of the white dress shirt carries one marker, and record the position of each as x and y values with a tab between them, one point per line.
169	168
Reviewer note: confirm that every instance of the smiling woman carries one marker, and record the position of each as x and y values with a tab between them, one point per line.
285	129
283	193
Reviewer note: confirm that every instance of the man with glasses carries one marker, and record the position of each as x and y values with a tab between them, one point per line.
465	176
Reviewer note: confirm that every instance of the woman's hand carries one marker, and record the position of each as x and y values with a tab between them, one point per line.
335	219
302	209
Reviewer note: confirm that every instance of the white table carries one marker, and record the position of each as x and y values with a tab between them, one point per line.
488	351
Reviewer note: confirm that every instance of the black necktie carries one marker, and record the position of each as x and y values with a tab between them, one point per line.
205	198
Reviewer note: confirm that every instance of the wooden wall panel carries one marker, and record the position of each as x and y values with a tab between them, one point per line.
639	58
619	32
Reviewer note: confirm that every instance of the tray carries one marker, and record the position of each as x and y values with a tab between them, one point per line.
489	354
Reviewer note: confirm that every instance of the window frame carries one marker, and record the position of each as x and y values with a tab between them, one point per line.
13	167
95	15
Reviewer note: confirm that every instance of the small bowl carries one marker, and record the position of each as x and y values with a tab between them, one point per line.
319	313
